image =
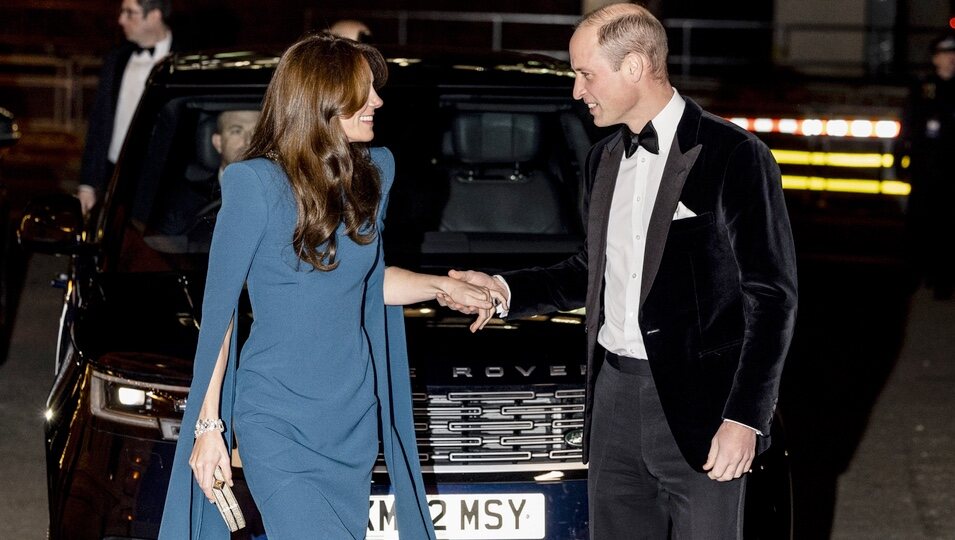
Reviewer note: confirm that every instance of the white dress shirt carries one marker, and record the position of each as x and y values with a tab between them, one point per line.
638	182
131	89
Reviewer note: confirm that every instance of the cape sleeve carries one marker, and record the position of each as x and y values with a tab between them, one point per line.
386	330
240	226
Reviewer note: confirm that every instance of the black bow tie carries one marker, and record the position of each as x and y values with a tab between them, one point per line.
647	138
150	50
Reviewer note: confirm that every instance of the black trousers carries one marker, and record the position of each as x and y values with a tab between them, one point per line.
639	484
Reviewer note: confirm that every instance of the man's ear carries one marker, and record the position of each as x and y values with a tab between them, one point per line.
633	66
154	16
217	142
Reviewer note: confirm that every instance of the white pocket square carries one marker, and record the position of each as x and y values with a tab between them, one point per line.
682	212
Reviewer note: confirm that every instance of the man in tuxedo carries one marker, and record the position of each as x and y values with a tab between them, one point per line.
122	81
689	281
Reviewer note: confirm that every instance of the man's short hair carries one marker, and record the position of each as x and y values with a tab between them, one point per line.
221	118
629	28
164	7
943	43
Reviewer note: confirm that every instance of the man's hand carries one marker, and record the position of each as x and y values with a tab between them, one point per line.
87	197
732	451
496	288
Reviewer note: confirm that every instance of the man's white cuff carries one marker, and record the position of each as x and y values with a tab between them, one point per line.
501	309
758	432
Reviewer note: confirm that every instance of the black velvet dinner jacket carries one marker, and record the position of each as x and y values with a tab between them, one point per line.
718	294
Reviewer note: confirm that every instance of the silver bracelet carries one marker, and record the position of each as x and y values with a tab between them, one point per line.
204	425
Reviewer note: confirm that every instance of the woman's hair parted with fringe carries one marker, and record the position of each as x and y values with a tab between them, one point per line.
317	80
629	28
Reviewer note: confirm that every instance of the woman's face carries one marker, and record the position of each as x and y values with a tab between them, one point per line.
360	127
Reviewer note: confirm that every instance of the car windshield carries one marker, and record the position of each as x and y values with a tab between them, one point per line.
475	174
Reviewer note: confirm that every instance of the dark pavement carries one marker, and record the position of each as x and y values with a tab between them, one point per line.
900	483
25	379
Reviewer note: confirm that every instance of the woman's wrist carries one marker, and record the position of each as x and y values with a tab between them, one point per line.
442	285
206	425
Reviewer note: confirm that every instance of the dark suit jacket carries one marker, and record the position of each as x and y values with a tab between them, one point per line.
718	294
96	169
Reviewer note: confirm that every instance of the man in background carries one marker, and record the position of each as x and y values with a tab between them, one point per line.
929	138
351	29
121	84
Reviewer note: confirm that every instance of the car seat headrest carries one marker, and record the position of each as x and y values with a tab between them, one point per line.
206	162
493	137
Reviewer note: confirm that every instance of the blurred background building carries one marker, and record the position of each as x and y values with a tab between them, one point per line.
50	50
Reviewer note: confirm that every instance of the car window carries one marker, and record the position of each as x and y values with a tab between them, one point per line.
483	171
168	194
500	169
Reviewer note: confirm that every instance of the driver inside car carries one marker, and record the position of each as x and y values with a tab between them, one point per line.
188	218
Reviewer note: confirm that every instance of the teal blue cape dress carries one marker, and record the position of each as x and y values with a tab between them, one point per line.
322	375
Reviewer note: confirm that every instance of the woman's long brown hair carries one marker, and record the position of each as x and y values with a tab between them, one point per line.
318	79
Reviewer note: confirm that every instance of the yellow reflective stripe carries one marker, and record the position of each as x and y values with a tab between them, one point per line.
894	187
846	185
833	159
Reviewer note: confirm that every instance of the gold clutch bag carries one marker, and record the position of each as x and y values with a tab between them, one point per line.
227	504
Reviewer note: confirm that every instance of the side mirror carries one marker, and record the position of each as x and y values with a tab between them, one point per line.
52	224
9	132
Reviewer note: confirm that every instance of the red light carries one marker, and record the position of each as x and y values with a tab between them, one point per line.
951	23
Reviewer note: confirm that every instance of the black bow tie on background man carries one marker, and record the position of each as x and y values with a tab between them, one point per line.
150	50
647	138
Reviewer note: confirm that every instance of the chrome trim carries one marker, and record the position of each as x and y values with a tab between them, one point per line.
484	396
497	468
531	440
170	428
450	411
492	431
489	426
140	384
541	409
566	454
438	442
489	456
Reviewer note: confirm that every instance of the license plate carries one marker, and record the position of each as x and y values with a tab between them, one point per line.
512	516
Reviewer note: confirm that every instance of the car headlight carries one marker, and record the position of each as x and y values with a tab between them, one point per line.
136	403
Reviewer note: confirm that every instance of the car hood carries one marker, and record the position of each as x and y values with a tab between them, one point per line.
142	324
146	325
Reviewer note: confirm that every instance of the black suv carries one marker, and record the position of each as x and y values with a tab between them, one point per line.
489	151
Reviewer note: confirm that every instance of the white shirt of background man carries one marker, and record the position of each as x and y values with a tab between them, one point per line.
134	83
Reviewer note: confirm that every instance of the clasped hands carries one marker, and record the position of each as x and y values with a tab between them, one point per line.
495	288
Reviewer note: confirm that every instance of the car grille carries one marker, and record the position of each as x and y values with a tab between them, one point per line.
500	430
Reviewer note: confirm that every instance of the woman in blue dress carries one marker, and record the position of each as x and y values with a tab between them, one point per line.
324	371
